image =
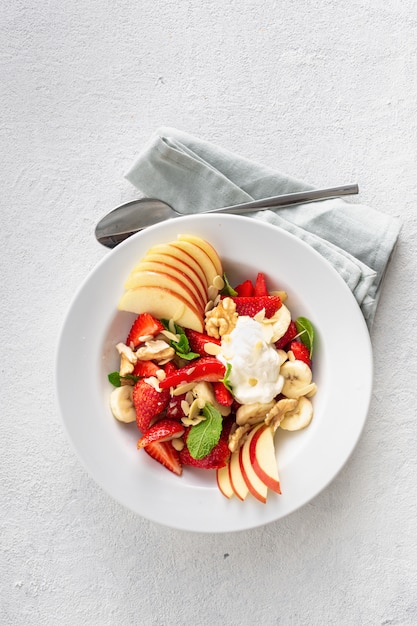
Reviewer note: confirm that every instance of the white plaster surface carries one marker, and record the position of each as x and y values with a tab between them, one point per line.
323	90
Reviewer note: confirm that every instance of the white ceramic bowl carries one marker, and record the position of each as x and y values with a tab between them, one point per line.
308	460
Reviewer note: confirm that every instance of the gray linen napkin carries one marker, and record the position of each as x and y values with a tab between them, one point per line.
193	175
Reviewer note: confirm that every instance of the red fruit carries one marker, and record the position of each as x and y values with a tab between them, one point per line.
260	285
245	288
198	340
164	430
165	453
222	394
144	369
252	305
289	336
174	408
143	326
301	352
148	402
207	368
215	459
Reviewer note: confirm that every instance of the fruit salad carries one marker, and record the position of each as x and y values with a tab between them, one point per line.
209	371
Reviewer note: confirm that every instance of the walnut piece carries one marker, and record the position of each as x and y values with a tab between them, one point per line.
238	437
278	411
222	319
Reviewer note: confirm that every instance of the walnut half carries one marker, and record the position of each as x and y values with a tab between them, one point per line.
222	319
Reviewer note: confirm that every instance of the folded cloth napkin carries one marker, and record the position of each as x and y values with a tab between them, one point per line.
193	175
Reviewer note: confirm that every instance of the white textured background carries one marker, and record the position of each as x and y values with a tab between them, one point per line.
321	89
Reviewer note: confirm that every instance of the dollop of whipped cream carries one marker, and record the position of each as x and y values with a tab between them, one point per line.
255	363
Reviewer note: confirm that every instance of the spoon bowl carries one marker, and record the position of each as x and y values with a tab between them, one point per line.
131	217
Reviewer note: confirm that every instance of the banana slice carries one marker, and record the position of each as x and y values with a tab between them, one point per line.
300	417
281	321
297	379
121	404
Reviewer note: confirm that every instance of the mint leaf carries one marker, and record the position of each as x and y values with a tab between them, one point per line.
226	379
116	380
228	289
204	436
182	346
306	332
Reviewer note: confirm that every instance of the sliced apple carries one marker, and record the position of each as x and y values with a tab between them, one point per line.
162	303
237	481
147	278
262	457
223	481
200	256
208	249
181	255
255	485
171	270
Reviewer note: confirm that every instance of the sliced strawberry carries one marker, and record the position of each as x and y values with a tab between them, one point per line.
252	305
163	430
290	333
207	368
174	408
301	352
169	368
148	402
144	369
215	459
198	341
260	288
222	394
145	325
245	289
165	453
218	456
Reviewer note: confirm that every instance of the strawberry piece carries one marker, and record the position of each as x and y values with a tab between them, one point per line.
174	408
143	326
165	453
252	305
148	402
245	289
144	369
163	430
207	368
222	394
169	368
198	341
289	335
214	460
218	456
260	288
301	352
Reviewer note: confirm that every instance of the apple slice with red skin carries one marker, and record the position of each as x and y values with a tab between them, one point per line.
223	481
201	258
256	486
208	249
174	251
237	481
147	278
262	457
162	304
171	269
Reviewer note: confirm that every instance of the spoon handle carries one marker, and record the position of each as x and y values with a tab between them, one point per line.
289	199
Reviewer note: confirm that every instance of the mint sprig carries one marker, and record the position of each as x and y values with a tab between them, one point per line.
204	436
116	380
305	332
182	346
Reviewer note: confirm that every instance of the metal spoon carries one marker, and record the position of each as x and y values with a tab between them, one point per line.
127	219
